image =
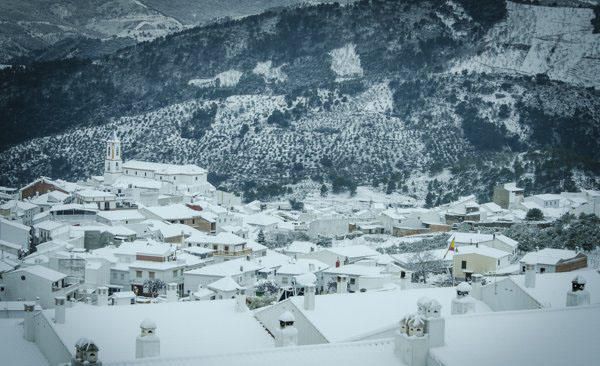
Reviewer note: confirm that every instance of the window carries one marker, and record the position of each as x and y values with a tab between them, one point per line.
122	276
498	261
114	275
22	278
542	270
175	273
353	281
226	248
151	275
524	268
463	265
138	274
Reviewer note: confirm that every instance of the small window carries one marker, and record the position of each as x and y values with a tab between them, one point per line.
498	261
463	265
542	270
22	278
175	273
353	281
151	275
138	274
122	276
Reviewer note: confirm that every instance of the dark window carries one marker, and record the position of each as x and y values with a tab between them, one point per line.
22	278
542	270
463	265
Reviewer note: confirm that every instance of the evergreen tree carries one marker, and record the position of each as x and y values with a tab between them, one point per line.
260	239
324	190
534	214
391	187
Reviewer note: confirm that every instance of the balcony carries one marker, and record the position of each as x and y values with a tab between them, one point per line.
230	253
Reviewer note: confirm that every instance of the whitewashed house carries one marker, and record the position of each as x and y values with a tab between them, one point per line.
30	283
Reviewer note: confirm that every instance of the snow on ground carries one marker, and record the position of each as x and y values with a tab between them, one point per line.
226	79
538	39
345	62
269	73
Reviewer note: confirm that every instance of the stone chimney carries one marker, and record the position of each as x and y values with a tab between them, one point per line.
240	303
420	332
29	322
60	309
476	286
530	276
463	303
309	297
578	295
102	296
287	334
86	353
147	344
172	292
342	284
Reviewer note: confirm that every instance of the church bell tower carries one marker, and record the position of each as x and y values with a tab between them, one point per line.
113	163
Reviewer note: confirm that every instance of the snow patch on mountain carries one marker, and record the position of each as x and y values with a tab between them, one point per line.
226	79
345	62
269	73
557	41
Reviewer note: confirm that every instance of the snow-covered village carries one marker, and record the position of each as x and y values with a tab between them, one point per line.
149	264
299	182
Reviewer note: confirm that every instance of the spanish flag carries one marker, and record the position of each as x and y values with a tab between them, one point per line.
451	247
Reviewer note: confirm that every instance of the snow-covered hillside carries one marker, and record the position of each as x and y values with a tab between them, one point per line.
535	39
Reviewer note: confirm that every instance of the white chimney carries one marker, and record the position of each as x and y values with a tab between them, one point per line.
578	295
147	344
420	332
29	322
287	334
476	286
60	309
102	296
309	297
530	276
240	303
172	292
86	353
463	303
342	284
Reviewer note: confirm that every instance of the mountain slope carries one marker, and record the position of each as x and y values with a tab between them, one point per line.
364	93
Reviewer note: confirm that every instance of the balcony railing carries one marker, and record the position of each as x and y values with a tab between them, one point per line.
231	253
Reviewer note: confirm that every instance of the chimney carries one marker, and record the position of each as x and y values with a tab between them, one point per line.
342	284
172	292
420	332
240	303
287	334
147	344
86	353
60	309
29	322
309	297
102	296
530	276
476	286
463	303
578	295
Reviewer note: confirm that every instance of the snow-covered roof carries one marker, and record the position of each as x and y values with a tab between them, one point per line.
145	247
548	256
433	254
301	266
14	224
548	196
92	193
227	268
551	288
186	329
120	215
262	219
223	238
552	337
301	247
175	211
49	225
43	272
357	270
21	205
354	251
346	317
225	284
161	168
481	250
15	349
512	187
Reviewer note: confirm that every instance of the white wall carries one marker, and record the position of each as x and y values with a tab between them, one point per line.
504	295
15	233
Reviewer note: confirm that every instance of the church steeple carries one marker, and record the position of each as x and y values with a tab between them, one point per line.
112	160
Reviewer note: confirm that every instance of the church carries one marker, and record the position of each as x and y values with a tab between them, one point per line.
161	178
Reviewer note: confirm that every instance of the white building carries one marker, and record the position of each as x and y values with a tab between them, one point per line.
30	283
14	236
549	260
470	259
